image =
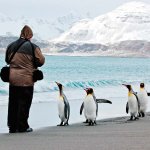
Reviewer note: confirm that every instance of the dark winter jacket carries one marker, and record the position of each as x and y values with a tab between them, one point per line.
22	66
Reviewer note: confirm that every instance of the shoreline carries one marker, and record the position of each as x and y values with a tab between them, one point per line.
113	133
95	55
46	113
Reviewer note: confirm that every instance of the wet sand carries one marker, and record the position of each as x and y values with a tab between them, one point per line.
108	134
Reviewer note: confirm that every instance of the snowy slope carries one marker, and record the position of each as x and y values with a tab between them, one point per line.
130	21
43	28
124	31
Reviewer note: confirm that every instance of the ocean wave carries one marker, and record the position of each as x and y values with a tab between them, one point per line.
84	84
44	86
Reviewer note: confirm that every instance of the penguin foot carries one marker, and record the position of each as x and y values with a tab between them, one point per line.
143	114
86	121
136	118
66	124
61	124
95	122
131	119
91	123
140	115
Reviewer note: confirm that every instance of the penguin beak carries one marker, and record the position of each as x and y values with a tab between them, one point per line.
127	86
57	83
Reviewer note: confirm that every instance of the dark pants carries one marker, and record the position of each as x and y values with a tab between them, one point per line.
20	99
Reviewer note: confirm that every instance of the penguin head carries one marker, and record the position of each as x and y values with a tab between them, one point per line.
142	85
60	86
89	91
128	86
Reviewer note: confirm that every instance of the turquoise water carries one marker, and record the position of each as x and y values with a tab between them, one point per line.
96	71
81	72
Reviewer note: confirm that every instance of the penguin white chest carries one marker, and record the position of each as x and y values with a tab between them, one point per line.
143	100
90	108
133	104
61	107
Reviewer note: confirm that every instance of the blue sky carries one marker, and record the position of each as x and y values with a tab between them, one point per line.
51	9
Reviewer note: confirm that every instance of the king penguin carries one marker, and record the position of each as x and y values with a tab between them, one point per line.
132	105
63	106
143	100
90	106
96	101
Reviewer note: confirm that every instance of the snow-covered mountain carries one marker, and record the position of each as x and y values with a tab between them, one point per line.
128	22
123	27
43	28
124	31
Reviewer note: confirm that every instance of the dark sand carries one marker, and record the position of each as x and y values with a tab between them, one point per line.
108	134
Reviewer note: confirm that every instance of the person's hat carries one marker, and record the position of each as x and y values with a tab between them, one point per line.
26	32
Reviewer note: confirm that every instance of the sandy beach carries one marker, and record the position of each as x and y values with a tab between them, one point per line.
108	134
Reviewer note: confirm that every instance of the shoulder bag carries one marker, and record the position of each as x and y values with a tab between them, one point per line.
5	71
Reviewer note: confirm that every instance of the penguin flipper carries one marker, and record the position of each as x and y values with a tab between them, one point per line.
66	107
127	108
81	108
96	108
137	101
66	110
103	101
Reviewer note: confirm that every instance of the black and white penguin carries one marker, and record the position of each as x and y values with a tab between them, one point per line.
90	106
63	106
143	100
96	101
132	105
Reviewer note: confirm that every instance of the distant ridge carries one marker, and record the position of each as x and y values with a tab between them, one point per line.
124	31
130	21
43	28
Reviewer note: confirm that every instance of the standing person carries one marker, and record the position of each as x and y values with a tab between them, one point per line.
21	84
